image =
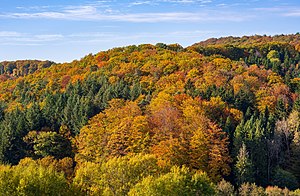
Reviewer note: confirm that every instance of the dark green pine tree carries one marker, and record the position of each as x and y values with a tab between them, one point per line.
126	92
5	140
229	129
189	88
252	134
77	89
66	117
49	111
248	114
296	105
76	116
60	104
238	138
13	128
2	108
34	117
243	100
276	67
294	161
136	90
260	153
297	57
280	110
82	111
107	96
228	96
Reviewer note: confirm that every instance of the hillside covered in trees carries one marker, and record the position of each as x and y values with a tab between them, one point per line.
220	117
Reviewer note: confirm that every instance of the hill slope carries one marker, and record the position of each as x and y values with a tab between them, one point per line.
228	107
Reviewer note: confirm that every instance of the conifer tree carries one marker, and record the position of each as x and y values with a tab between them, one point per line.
243	167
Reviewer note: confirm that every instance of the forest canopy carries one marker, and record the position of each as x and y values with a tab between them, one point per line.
220	117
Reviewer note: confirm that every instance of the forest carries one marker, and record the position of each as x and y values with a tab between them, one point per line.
220	117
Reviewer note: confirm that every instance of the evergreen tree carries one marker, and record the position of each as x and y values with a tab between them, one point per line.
243	100
229	129
135	92
296	105
260	153
248	114
13	128
238	138
243	168
34	117
280	110
294	161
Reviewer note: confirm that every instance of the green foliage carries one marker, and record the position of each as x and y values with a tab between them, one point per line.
294	162
49	144
179	181
28	178
280	110
295	192
13	128
243	100
254	133
273	56
228	51
282	179
186	106
243	168
116	176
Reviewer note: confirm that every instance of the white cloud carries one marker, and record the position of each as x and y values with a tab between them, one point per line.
137	3
94	38
270	9
287	11
49	37
158	2
34	8
102	11
186	1
91	34
295	13
9	34
16	38
80	10
90	13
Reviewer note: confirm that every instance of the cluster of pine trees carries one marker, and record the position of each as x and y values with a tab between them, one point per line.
220	117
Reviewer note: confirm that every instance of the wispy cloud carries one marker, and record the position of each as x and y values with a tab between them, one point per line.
158	2
287	11
91	13
9	34
94	38
34	8
49	37
269	9
295	13
186	1
110	11
16	38
177	17
138	3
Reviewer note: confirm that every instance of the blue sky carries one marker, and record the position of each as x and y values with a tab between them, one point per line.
64	30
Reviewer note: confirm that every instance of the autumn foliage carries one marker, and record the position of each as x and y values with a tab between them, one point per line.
155	120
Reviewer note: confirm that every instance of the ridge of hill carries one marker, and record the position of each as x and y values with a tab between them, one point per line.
14	69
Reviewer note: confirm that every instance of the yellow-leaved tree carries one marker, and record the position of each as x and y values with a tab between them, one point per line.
119	130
